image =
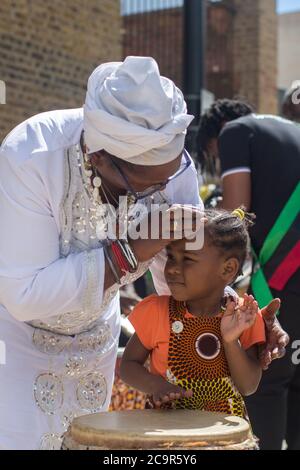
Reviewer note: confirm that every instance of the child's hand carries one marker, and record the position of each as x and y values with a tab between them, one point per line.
238	319
168	392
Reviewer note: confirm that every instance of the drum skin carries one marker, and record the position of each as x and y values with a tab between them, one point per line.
159	430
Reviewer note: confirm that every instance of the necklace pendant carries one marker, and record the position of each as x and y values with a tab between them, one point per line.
97	182
177	327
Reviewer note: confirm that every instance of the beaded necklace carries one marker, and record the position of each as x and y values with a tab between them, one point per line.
101	210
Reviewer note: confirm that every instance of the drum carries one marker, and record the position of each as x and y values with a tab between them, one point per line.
159	430
123	396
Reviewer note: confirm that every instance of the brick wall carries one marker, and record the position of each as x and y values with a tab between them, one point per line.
160	34
219	50
255	53
157	34
48	49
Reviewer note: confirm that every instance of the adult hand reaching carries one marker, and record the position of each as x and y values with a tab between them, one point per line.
277	338
160	227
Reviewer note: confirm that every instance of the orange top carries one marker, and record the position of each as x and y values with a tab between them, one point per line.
150	319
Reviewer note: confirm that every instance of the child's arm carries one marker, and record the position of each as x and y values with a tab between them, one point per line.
134	373
244	365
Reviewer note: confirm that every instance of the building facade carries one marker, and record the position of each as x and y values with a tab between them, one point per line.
241	47
288	49
47	51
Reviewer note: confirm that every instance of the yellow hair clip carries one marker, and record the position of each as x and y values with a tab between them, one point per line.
239	213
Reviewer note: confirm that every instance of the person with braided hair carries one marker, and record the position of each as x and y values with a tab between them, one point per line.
258	160
203	347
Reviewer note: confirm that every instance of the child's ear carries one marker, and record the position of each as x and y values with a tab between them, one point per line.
230	270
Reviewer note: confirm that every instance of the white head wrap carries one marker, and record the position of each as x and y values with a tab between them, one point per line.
135	114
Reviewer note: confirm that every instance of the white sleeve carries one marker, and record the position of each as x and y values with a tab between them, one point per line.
35	283
157	271
183	190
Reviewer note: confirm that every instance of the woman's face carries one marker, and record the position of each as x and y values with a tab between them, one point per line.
196	274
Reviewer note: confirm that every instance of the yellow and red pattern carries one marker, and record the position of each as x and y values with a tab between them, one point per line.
197	362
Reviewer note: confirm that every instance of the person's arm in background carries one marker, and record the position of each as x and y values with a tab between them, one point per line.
235	163
236	191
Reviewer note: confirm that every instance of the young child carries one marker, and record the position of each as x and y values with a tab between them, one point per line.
203	347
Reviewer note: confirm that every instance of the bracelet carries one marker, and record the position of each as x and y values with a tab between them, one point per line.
120	259
121	256
124	256
129	255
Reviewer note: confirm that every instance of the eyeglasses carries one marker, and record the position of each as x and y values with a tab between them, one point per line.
156	187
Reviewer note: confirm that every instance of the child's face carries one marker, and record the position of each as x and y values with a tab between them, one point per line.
196	274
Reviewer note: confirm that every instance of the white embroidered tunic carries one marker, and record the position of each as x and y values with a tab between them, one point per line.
59	328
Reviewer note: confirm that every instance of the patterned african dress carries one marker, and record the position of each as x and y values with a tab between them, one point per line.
197	362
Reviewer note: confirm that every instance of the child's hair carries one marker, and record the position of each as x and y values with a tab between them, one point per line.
229	232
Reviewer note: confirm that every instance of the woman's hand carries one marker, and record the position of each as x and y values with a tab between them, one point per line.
237	319
160	227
